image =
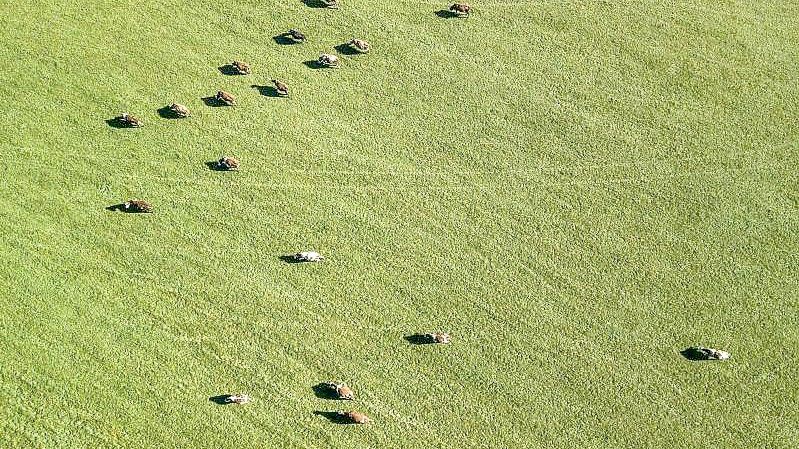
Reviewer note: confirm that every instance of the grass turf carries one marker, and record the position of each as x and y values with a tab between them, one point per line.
574	190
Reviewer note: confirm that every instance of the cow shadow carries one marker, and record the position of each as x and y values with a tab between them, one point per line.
418	339
116	207
284	39
222	399
323	391
167	113
446	14
346	49
213	102
694	355
117	122
266	91
333	417
313	64
314	3
214	166
229	70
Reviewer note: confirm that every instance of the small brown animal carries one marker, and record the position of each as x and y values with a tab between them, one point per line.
437	337
338	391
242	68
328	60
296	35
281	88
238	398
227	163
179	110
129	121
225	98
137	207
360	45
352	417
461	9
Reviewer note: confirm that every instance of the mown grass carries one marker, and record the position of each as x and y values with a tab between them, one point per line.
574	190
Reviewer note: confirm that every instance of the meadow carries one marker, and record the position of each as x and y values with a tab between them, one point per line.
574	190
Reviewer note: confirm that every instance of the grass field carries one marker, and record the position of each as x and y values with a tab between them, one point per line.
575	190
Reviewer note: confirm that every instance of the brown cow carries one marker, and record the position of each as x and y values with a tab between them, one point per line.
137	206
129	121
179	110
225	98
281	88
360	45
242	68
227	163
461	9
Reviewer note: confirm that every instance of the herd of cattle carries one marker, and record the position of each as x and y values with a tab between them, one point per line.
329	390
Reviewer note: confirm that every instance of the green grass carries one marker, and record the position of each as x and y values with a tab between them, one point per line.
575	190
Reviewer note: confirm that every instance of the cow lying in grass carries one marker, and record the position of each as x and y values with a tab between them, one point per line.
328	60
129	121
179	110
335	390
225	98
361	46
227	163
242	68
461	9
281	88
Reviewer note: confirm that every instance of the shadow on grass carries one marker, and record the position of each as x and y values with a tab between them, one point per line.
333	417
167	113
446	14
284	39
222	399
289	258
694	355
314	3
116	207
314	64
346	49
266	91
214	166
323	391
117	122
121	208
213	102
229	70
418	339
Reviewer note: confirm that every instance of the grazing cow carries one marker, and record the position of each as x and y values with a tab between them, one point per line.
242	68
328	60
137	207
352	417
227	163
436	337
307	256
360	45
461	9
296	36
179	110
702	353
129	121
333	4
237	399
225	98
338	391
281	88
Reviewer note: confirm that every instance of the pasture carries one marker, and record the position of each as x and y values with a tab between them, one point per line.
574	190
